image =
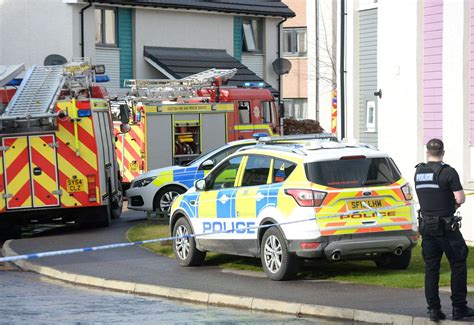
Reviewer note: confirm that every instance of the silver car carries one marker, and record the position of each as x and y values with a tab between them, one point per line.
156	189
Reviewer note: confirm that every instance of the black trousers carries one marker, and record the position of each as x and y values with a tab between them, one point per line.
453	245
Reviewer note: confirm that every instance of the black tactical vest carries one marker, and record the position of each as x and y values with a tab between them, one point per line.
435	199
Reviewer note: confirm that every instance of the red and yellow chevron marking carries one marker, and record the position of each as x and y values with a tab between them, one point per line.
345	222
45	185
17	173
71	165
130	149
2	185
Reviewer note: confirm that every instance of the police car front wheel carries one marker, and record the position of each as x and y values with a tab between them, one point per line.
184	246
277	262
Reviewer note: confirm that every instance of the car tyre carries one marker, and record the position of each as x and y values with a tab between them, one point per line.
277	262
185	249
164	198
394	262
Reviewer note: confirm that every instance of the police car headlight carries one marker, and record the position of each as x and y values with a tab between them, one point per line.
143	182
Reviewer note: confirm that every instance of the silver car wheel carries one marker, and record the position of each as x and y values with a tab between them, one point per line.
273	254
182	244
166	200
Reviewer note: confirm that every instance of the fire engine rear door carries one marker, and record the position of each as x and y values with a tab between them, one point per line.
17	172
44	172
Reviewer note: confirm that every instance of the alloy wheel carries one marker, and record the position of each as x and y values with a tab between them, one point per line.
166	200
182	242
273	254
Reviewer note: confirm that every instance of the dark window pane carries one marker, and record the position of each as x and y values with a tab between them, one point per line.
244	112
353	172
256	171
267	112
225	175
282	170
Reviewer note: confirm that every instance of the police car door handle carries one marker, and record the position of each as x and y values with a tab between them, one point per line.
192	202
369	222
259	196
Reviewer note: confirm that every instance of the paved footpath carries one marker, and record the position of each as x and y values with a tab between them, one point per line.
135	269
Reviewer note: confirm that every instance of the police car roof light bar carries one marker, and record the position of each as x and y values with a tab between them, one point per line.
312	136
293	148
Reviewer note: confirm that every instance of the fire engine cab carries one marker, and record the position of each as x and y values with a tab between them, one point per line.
174	121
57	157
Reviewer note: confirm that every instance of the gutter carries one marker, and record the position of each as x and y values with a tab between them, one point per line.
82	26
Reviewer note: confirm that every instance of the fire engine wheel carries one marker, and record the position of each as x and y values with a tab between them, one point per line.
394	262
117	203
184	248
164	198
277	262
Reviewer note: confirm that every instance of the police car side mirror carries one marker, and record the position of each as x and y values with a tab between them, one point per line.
207	165
200	184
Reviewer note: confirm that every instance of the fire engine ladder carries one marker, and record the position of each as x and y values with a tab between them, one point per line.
166	88
37	94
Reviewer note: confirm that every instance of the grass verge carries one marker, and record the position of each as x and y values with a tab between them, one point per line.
363	272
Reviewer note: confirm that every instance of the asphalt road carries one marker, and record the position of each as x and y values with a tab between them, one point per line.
135	264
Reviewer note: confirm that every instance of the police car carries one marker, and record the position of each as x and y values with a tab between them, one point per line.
283	203
157	188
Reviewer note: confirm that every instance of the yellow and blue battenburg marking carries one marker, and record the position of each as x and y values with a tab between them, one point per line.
225	203
185	176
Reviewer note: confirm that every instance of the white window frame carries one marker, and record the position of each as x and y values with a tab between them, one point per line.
295	45
371	119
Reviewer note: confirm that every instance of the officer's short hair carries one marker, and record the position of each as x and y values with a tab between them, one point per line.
435	147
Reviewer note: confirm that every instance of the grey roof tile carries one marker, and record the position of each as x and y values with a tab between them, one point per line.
243	7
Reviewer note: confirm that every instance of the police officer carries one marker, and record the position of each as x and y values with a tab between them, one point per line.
440	193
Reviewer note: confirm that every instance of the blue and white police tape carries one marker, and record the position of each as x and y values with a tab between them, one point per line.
150	241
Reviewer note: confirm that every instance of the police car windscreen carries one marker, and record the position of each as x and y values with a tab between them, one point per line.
352	173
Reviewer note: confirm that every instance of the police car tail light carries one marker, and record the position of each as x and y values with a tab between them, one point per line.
307	198
319	198
406	189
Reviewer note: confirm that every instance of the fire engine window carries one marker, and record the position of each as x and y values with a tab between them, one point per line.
256	171
267	112
281	170
244	112
105	26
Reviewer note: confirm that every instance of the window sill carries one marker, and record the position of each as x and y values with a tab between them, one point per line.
252	53
294	56
106	46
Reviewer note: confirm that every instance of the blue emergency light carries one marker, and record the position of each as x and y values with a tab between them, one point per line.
259	135
102	78
83	112
254	84
14	82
